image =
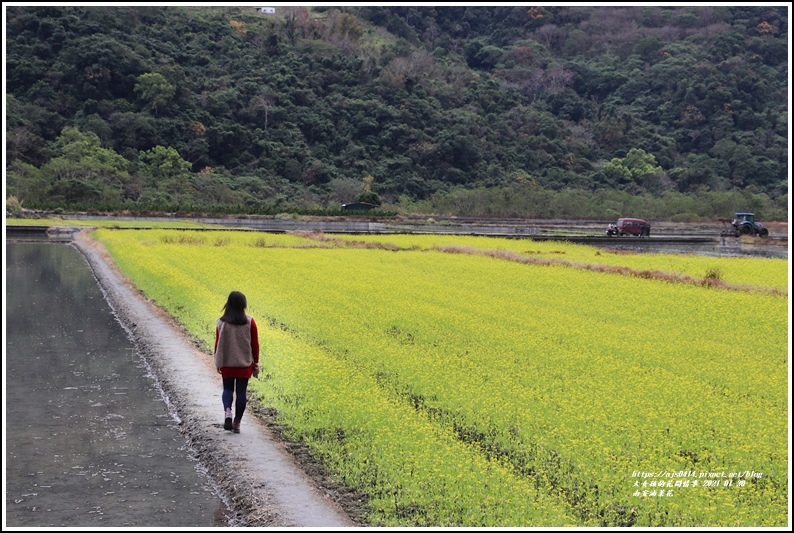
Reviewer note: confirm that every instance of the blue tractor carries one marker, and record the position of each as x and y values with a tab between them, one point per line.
745	224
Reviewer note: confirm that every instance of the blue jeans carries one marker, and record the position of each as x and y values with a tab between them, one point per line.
232	386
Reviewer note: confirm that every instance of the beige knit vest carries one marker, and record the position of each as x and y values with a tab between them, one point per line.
234	344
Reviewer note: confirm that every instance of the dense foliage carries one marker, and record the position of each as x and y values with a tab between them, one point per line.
232	109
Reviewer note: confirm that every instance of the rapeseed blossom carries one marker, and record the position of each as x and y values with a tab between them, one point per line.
473	390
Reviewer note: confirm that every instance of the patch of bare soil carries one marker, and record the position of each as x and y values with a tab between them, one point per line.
777	228
265	478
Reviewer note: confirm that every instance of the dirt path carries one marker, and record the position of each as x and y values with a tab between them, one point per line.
264	484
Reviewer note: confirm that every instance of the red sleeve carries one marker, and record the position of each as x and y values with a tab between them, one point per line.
254	340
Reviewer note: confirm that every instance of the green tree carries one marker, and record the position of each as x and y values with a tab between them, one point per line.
616	172
367	195
27	183
641	164
638	169
164	169
84	171
154	90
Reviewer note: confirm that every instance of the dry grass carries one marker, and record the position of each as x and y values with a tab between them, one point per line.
345	243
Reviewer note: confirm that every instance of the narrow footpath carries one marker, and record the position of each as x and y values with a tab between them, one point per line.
264	484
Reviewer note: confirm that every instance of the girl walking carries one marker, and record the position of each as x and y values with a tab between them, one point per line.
236	356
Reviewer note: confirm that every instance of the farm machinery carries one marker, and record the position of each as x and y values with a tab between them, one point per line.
743	224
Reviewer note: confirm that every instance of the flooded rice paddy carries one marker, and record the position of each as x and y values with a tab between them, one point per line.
90	439
729	247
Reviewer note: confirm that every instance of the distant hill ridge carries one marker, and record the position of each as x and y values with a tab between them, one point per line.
591	111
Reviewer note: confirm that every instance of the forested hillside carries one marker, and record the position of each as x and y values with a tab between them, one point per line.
507	110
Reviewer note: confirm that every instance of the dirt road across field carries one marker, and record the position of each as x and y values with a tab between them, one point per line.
264	484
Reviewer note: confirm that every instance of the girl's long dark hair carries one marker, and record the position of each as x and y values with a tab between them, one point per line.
234	309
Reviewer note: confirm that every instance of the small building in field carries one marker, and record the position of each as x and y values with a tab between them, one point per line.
267	10
358	206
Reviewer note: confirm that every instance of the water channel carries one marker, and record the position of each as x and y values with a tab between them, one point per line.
90	439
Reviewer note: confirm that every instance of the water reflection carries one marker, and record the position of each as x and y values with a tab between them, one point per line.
724	248
90	442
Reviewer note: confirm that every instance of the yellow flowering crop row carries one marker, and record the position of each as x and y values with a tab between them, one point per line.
466	390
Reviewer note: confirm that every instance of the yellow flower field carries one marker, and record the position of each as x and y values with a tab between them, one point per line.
460	389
